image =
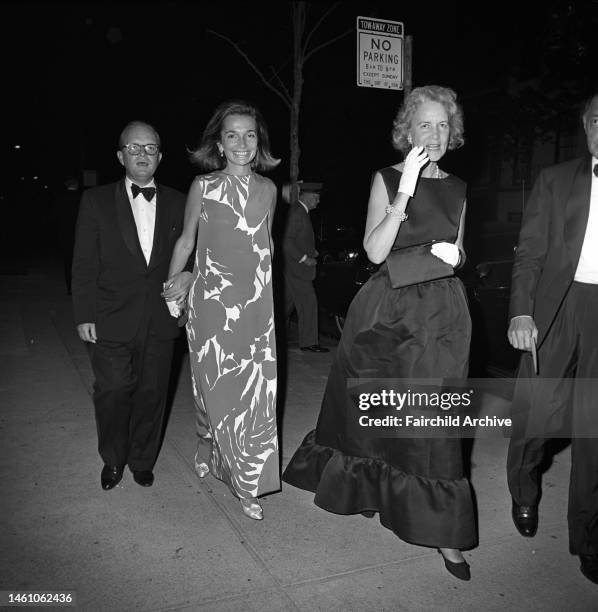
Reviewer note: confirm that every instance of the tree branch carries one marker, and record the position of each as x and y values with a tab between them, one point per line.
317	25
328	42
281	94
281	84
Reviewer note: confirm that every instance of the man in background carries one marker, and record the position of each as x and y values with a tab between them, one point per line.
300	262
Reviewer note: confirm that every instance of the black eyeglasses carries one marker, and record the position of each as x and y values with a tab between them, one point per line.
135	149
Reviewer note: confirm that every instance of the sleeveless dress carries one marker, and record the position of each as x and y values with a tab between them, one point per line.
230	331
417	485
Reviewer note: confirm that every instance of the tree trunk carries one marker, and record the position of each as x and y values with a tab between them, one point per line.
299	10
301	52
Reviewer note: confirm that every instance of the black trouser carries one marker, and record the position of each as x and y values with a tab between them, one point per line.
300	294
563	402
131	385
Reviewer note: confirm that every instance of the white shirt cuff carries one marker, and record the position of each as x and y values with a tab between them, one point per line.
520	316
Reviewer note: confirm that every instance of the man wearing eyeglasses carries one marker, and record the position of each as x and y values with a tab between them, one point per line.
123	243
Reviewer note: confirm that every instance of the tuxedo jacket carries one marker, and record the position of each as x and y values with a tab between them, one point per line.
552	233
113	285
298	240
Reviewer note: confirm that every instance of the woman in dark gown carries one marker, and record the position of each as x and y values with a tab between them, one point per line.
421	331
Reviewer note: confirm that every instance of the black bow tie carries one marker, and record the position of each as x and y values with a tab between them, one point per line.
148	192
596	169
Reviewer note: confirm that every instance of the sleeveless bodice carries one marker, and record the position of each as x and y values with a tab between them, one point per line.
434	210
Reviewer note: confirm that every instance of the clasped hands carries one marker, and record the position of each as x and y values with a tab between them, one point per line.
177	287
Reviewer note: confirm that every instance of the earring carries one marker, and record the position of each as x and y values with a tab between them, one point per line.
221	152
409	139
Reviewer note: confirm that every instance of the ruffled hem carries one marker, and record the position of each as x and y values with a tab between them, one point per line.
423	511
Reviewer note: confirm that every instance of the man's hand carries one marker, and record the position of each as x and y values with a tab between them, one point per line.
87	332
521	331
310	261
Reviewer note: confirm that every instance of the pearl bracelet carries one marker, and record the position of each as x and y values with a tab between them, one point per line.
395	212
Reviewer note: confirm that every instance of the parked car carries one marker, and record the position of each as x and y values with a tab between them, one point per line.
344	268
488	290
487	278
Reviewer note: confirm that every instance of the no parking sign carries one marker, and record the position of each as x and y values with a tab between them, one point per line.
379	53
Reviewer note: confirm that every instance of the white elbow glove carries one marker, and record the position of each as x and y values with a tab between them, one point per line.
448	252
414	162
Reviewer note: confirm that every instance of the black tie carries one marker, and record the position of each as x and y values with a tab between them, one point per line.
148	192
596	169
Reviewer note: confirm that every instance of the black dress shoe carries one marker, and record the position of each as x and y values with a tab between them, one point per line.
145	478
589	567
525	519
315	348
458	570
111	476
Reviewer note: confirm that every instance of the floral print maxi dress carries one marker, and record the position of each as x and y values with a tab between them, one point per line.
231	333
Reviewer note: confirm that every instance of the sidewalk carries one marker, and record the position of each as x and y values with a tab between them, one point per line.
184	544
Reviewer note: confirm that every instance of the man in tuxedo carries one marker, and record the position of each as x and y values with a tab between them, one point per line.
554	307
124	239
299	250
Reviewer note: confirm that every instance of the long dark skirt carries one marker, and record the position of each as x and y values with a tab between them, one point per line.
417	485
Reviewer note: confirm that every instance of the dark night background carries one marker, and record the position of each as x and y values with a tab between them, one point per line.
75	73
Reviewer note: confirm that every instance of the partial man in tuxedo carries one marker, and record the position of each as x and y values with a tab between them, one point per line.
299	250
124	239
554	307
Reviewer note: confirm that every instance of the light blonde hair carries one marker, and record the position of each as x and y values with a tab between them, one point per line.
434	93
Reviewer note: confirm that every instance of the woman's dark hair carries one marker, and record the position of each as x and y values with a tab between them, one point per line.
434	93
207	155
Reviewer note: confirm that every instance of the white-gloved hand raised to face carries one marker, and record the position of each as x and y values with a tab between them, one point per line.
447	251
416	159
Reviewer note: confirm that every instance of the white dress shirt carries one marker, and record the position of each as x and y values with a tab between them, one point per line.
145	217
587	267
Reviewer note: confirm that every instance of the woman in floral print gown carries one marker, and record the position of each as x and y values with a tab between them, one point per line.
231	322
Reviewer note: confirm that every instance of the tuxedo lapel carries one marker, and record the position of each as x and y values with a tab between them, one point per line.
126	221
161	227
577	210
